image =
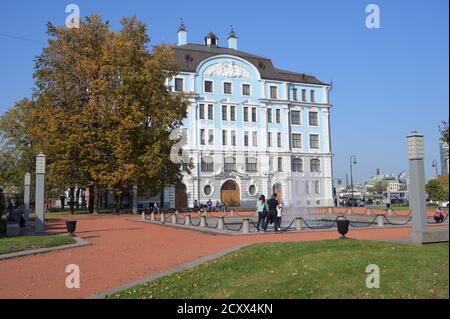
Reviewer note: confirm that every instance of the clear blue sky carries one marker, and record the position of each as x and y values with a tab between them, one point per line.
387	82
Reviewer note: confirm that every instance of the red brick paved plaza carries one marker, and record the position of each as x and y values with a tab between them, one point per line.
124	251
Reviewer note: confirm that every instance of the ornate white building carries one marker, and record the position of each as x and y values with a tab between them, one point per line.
251	129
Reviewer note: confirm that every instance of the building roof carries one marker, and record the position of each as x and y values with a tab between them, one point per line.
190	55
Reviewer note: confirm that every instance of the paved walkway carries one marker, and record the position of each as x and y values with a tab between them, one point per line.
123	251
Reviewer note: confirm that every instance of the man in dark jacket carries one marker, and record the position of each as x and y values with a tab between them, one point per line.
272	210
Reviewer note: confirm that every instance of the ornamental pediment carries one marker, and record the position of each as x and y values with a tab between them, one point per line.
227	69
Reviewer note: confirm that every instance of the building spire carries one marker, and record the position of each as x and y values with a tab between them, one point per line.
232	34
182	27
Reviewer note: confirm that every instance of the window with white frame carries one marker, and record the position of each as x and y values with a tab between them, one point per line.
246	138
233	138
314	141
315	165
269	139
224	137
278	116
273	92
245	114
233	113
313	118
251	164
294	94
304	95
280	164
178	84
269	115
208	86
202	111
202	137
295	117
317	187
255	138
246	89
224	112
210	111
230	164
296	140
211	137
278	139
312	96
207	164
297	165
253	114
227	88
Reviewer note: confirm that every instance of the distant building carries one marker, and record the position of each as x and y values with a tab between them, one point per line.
443	148
395	183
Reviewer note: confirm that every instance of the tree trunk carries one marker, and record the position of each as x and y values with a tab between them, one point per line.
71	199
121	203
91	200
78	198
105	201
95	211
62	198
116	203
135	198
83	199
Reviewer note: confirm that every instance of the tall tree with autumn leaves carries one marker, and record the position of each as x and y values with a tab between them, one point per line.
101	110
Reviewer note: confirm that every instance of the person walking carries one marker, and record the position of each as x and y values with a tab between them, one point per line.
209	204
261	211
271	211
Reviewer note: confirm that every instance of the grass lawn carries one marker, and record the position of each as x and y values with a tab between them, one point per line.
15	244
322	269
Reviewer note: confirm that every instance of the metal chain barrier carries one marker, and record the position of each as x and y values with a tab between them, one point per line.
397	224
363	224
319	227
230	229
195	225
287	228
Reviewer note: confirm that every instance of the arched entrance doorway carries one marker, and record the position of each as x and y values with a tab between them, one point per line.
277	189
230	194
181	196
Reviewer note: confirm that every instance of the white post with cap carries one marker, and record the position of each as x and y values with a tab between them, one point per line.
417	195
40	191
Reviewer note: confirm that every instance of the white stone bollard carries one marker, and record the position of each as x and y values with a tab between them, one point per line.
162	217
187	221
152	216
202	221
380	221
220	223
143	216
246	226
174	219
298	223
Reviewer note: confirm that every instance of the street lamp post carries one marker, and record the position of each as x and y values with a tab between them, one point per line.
435	166
352	162
417	200
40	189
26	196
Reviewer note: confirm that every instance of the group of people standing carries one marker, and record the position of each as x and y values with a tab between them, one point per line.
270	211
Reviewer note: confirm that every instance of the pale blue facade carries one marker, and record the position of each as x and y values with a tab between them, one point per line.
296	162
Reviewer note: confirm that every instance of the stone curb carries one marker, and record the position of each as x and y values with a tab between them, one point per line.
80	242
197	262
